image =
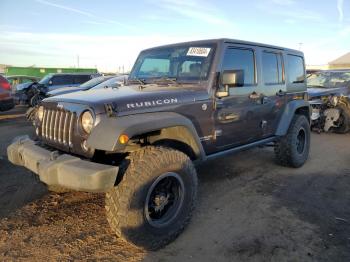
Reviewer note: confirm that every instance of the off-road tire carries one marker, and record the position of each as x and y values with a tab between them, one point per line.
58	189
125	203
286	151
345	115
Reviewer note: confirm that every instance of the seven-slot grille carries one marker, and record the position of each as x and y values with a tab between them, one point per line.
57	126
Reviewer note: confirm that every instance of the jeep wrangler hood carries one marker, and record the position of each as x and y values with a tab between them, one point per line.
133	99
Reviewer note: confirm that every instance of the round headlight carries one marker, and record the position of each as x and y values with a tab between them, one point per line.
40	113
87	121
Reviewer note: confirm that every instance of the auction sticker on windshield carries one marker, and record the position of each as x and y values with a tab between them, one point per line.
198	51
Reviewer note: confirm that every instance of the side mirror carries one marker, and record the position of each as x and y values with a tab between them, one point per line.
50	82
230	78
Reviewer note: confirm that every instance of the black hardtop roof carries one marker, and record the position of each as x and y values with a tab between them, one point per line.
227	40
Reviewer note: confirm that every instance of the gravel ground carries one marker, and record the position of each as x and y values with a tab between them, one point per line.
249	209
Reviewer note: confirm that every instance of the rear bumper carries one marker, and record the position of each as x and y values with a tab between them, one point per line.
7	104
62	169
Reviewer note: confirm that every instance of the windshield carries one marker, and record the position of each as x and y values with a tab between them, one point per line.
113	82
45	80
93	82
329	79
182	63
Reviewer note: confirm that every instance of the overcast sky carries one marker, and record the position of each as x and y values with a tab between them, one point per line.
109	34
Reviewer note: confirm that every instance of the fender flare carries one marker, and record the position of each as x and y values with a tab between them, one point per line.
290	110
106	134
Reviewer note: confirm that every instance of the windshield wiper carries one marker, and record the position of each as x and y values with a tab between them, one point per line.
318	86
138	80
172	80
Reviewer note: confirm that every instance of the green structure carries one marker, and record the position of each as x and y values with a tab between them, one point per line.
42	71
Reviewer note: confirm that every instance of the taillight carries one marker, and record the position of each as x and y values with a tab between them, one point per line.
5	85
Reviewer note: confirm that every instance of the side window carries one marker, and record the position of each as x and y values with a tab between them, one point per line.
26	80
59	80
272	68
295	69
241	59
80	79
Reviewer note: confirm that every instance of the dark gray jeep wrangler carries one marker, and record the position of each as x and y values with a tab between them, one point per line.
182	104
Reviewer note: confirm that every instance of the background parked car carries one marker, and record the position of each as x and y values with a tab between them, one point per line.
96	83
25	92
114	82
328	81
6	100
54	81
20	79
329	92
86	86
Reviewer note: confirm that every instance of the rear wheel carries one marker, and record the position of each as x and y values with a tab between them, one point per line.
154	201
293	148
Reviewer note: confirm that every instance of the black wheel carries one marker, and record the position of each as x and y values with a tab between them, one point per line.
344	120
293	149
154	201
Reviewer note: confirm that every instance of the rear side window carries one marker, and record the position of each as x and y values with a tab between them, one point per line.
295	69
62	80
79	79
241	59
27	80
272	68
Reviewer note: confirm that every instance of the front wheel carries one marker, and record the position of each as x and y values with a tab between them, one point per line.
293	148
154	201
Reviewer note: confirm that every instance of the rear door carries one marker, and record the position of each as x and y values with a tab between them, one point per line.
272	89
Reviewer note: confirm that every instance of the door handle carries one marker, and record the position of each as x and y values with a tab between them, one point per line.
254	95
281	93
265	100
228	117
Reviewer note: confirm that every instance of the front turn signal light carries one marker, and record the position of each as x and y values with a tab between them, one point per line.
123	139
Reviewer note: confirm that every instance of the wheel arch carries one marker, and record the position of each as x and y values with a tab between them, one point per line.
300	107
179	138
161	128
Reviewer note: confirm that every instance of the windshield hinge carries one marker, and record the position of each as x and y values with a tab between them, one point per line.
109	110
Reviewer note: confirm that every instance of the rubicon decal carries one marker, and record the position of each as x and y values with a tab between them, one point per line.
158	102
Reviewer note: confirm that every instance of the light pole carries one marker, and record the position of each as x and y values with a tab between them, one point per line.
300	45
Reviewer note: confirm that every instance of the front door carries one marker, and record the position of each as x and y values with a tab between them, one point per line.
251	111
238	117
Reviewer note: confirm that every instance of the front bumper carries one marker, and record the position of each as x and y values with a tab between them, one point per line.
62	169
